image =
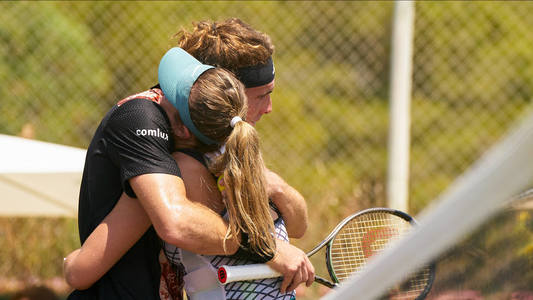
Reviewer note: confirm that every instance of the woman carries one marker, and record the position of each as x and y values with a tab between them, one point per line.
207	124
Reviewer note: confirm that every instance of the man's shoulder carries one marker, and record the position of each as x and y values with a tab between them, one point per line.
134	123
139	112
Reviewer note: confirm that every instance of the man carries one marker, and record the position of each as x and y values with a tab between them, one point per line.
237	47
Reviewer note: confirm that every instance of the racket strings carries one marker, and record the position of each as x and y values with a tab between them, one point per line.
413	287
364	236
361	238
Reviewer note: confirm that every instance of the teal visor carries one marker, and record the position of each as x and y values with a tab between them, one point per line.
178	70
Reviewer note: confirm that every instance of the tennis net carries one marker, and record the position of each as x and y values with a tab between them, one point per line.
480	193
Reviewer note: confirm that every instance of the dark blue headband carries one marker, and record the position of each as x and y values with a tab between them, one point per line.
257	75
178	71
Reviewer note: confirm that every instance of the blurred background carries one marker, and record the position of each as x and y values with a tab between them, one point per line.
64	64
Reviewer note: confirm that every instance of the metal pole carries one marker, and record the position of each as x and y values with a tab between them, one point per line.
400	98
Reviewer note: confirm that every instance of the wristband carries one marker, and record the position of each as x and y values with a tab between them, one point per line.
220	183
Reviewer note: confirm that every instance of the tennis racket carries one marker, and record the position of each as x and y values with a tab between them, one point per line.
348	248
522	200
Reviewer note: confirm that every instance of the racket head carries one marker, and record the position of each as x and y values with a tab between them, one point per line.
416	286
362	235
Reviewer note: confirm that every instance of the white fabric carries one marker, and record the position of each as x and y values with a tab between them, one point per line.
201	277
39	178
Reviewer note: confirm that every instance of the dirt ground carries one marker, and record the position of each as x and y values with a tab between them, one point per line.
10	286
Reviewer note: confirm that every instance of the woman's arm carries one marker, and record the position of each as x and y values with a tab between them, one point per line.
111	239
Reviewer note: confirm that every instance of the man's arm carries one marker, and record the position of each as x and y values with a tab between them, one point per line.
179	221
290	203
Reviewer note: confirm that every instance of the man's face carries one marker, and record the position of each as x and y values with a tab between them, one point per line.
259	102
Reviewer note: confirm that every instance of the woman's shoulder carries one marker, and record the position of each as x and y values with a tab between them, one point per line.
191	165
190	155
199	182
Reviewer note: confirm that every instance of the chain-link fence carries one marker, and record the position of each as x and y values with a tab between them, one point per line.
64	64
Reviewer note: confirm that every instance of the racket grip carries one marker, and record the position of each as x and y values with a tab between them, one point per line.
227	274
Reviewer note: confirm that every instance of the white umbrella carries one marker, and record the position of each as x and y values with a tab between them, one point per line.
39	178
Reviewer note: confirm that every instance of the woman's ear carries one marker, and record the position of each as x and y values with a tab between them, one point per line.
182	132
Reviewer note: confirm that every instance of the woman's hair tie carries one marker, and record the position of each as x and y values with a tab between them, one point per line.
234	121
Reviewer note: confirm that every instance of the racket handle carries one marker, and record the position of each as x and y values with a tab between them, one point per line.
227	274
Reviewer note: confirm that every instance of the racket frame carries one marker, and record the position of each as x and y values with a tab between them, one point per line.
328	241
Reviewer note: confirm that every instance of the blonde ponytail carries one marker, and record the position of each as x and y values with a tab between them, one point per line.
245	182
216	99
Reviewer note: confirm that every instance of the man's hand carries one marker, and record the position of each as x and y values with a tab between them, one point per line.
293	264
